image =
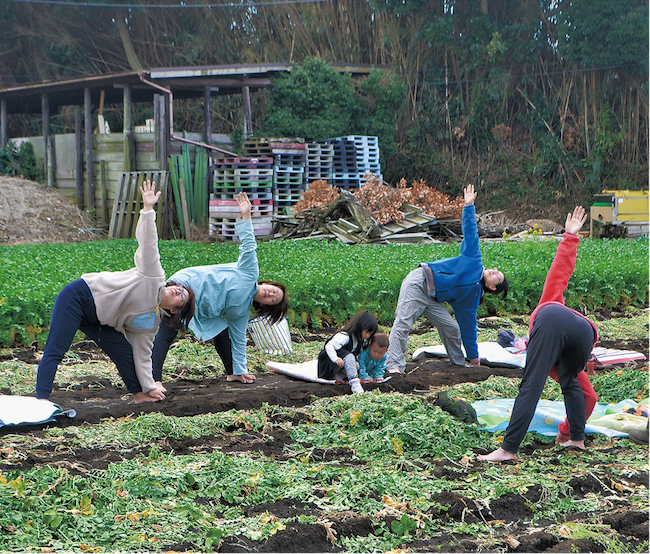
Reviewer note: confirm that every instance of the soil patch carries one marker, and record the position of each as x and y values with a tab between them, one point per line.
33	213
187	398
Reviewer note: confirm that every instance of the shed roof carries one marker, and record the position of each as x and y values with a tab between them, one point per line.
184	82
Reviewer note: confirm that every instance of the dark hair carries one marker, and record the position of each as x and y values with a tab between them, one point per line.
363	321
182	317
380	339
501	287
276	312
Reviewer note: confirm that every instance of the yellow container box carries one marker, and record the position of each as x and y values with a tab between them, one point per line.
629	205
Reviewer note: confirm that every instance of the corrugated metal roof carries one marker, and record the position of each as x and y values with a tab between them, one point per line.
184	82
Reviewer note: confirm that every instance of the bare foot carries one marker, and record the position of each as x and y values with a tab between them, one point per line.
245	378
499	455
160	386
562	438
576	444
140	397
393	370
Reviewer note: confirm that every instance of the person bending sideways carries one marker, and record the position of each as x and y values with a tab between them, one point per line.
560	343
459	282
224	295
121	311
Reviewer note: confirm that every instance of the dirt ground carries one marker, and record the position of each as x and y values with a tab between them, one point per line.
95	399
32	213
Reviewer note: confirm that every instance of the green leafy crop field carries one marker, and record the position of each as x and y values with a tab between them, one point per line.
327	282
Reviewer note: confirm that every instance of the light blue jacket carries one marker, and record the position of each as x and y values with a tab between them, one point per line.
224	294
369	368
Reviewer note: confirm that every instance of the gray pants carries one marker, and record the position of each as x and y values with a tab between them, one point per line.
412	303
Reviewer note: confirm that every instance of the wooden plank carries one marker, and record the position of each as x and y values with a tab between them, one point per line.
161	183
116	217
128	202
125	206
348	226
136	204
102	211
341	234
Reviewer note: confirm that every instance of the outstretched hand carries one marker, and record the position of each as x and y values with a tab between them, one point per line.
244	205
149	194
575	220
469	194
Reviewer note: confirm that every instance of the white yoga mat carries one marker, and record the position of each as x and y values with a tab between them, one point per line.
491	354
307	371
27	410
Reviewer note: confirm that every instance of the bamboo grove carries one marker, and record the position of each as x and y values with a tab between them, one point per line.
543	102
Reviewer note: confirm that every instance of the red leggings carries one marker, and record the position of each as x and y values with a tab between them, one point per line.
590	397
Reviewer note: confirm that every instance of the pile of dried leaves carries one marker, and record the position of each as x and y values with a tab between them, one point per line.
385	202
429	200
317	195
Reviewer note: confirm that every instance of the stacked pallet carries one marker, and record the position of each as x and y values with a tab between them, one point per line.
232	175
353	157
289	159
320	162
276	171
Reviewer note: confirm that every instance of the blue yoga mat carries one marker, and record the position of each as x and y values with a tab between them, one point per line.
607	419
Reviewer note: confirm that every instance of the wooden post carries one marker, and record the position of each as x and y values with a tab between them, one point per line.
207	132
161	131
207	116
45	116
248	118
79	158
129	142
167	130
89	150
3	123
156	128
103	192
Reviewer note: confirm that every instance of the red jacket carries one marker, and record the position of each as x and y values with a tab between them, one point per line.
556	283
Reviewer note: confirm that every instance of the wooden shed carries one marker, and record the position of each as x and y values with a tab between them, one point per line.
86	165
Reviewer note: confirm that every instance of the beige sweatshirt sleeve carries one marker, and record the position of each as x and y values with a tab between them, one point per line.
142	344
147	257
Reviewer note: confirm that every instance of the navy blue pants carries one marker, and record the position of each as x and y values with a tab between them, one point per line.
559	338
74	309
165	338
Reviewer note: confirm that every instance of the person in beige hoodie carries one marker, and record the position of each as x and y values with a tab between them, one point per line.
121	311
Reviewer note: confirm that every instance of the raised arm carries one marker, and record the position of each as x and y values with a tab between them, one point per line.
564	261
247	249
469	246
147	258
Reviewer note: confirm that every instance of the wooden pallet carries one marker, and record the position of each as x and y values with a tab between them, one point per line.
128	202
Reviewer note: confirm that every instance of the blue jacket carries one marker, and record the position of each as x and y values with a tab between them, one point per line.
369	368
224	294
458	281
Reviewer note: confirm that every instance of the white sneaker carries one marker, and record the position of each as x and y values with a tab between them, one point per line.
355	385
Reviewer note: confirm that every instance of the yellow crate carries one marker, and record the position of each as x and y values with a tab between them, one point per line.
629	205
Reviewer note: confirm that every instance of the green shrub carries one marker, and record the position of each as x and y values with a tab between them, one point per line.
21	161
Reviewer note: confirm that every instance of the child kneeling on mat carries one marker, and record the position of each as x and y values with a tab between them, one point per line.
338	359
372	360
